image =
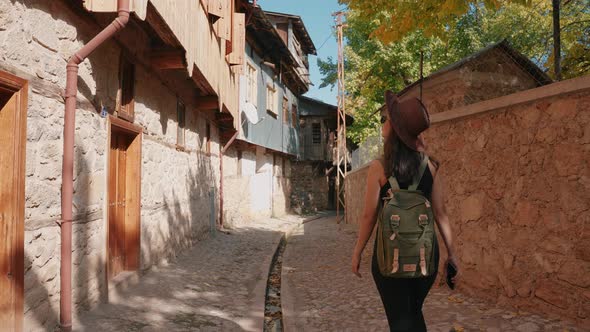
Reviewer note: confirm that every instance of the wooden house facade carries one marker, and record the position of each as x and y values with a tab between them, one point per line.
274	76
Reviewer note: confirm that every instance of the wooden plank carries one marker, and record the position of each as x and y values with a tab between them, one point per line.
283	30
112	203
162	29
13	106
207	103
121	125
19	191
8	112
215	9
119	257
105	6
236	57
133	200
126	100
168	59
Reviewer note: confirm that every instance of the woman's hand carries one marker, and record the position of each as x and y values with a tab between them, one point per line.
453	261
356	263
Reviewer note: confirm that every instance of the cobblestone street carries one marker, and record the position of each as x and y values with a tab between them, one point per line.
320	293
217	285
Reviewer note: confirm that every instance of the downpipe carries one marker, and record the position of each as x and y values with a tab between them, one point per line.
67	189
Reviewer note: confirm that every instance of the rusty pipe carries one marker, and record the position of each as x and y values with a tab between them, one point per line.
67	189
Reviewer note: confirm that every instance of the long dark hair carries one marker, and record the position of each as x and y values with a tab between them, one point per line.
399	160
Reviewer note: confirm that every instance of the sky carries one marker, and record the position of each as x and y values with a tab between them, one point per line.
318	19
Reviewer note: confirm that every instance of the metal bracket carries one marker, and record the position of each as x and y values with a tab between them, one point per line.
60	222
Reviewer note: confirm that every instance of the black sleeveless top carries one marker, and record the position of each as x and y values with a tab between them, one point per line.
425	185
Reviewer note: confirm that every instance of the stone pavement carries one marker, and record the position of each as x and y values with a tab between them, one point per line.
320	293
217	285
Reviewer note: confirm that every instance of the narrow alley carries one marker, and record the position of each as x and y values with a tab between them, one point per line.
219	285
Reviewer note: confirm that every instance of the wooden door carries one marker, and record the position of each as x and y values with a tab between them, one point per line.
117	207
124	197
12	147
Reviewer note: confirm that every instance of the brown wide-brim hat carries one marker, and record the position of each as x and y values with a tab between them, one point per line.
408	119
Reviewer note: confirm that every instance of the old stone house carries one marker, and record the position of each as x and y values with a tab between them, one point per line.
494	71
314	182
155	105
257	166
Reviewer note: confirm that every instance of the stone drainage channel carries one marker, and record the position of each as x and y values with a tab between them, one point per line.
273	314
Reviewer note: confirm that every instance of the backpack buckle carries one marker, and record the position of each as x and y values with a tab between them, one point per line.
394	220
423	220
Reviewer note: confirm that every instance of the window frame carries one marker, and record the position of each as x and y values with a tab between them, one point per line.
272	99
286	114
313	134
252	83
126	92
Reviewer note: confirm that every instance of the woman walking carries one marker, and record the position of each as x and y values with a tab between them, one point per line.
403	287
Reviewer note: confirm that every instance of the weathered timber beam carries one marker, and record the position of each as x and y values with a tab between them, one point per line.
207	103
168	59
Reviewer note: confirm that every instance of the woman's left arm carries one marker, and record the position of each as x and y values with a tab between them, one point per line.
369	217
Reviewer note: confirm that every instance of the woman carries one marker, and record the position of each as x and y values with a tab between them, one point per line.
402	124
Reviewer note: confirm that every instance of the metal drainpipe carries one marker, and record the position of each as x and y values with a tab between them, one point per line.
223	150
67	189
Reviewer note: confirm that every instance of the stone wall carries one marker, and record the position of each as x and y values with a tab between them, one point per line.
176	185
310	187
354	194
517	184
518	193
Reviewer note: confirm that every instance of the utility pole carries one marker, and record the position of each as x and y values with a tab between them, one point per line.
556	40
341	149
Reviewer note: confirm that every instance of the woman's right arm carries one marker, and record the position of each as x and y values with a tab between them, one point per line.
441	217
367	223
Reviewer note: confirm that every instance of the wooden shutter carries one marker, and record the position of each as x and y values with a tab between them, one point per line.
285	110
294	115
223	12
283	29
236	57
126	104
215	9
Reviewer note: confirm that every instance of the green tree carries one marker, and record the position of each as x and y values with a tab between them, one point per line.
374	64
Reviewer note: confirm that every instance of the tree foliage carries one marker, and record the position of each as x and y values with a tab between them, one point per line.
377	59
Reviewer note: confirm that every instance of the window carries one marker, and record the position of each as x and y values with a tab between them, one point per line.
316	133
271	99
181	116
251	85
125	105
285	110
208	138
294	115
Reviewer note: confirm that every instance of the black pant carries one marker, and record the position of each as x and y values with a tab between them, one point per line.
403	298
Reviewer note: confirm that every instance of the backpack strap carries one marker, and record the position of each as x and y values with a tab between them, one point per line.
421	171
393	183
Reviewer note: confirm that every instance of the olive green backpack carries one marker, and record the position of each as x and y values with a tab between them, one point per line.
405	231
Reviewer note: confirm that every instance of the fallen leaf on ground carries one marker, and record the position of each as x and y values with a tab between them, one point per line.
455	299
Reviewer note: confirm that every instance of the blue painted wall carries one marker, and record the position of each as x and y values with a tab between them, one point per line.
270	132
